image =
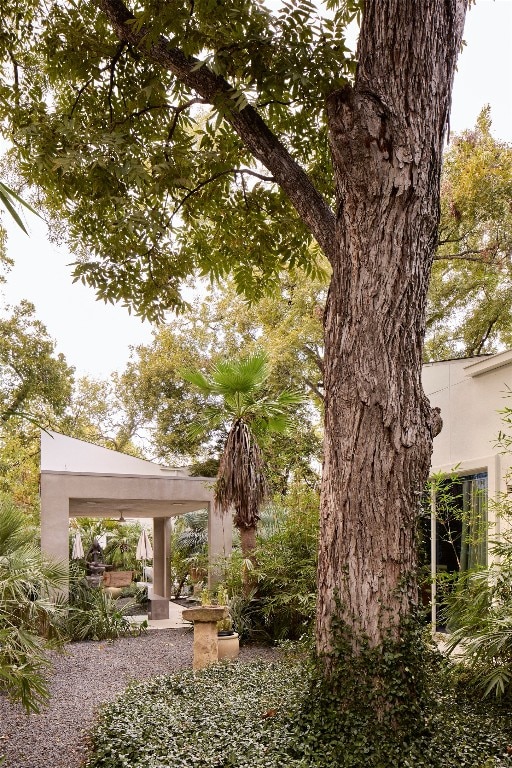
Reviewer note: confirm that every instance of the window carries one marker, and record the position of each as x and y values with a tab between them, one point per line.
461	523
460	527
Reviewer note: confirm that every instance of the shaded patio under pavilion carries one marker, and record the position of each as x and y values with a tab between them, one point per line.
79	479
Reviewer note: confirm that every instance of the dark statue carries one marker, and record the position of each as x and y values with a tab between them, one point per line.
94	560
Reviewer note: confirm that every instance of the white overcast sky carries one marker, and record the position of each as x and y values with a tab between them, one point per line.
96	338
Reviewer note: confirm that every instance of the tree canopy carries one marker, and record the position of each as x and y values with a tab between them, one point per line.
35	390
140	163
31	372
181	139
286	325
470	298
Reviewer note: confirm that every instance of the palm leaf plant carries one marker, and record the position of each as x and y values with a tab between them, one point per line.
121	547
479	613
239	402
189	546
9	199
95	615
29	616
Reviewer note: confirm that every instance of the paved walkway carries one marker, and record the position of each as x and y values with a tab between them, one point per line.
173	622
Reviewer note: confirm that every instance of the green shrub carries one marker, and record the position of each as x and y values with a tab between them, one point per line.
398	705
479	617
29	618
227	715
282	603
277	716
141	595
189	548
94	615
479	612
120	550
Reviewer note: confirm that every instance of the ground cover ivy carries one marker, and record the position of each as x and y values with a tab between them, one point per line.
227	715
399	705
281	716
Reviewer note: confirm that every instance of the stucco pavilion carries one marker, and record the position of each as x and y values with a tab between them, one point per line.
79	479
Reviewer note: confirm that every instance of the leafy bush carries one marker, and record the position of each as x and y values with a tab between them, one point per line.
225	715
121	547
398	705
261	715
282	602
189	548
29	618
94	615
479	614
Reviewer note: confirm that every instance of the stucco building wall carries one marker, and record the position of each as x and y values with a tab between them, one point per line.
470	393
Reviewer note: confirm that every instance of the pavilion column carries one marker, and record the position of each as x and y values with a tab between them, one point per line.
161	554
220	540
54	522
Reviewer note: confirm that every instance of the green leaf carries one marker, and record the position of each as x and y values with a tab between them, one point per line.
7	196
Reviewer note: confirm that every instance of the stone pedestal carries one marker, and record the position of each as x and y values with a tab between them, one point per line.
205	618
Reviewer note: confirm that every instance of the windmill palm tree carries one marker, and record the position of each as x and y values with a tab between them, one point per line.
239	402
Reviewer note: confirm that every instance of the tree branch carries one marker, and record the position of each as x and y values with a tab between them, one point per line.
83	88
315	389
112	68
236	171
248	124
313	355
15	69
480	256
18	400
177	113
484	338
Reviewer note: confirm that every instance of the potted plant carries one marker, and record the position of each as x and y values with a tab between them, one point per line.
228	639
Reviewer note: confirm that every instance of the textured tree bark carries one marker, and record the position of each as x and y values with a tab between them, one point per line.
386	138
248	545
248	541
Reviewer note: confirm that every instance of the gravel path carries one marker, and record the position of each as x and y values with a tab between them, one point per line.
84	677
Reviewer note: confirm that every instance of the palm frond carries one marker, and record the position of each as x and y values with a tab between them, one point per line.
22	667
240	376
272	414
271	520
497	680
8	198
212	418
189	542
197	521
29	616
241	481
198	379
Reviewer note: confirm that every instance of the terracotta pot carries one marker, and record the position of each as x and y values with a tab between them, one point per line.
229	646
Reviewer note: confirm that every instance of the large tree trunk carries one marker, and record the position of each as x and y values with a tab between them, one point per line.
386	138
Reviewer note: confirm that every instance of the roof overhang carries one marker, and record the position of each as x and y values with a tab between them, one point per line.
488	364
